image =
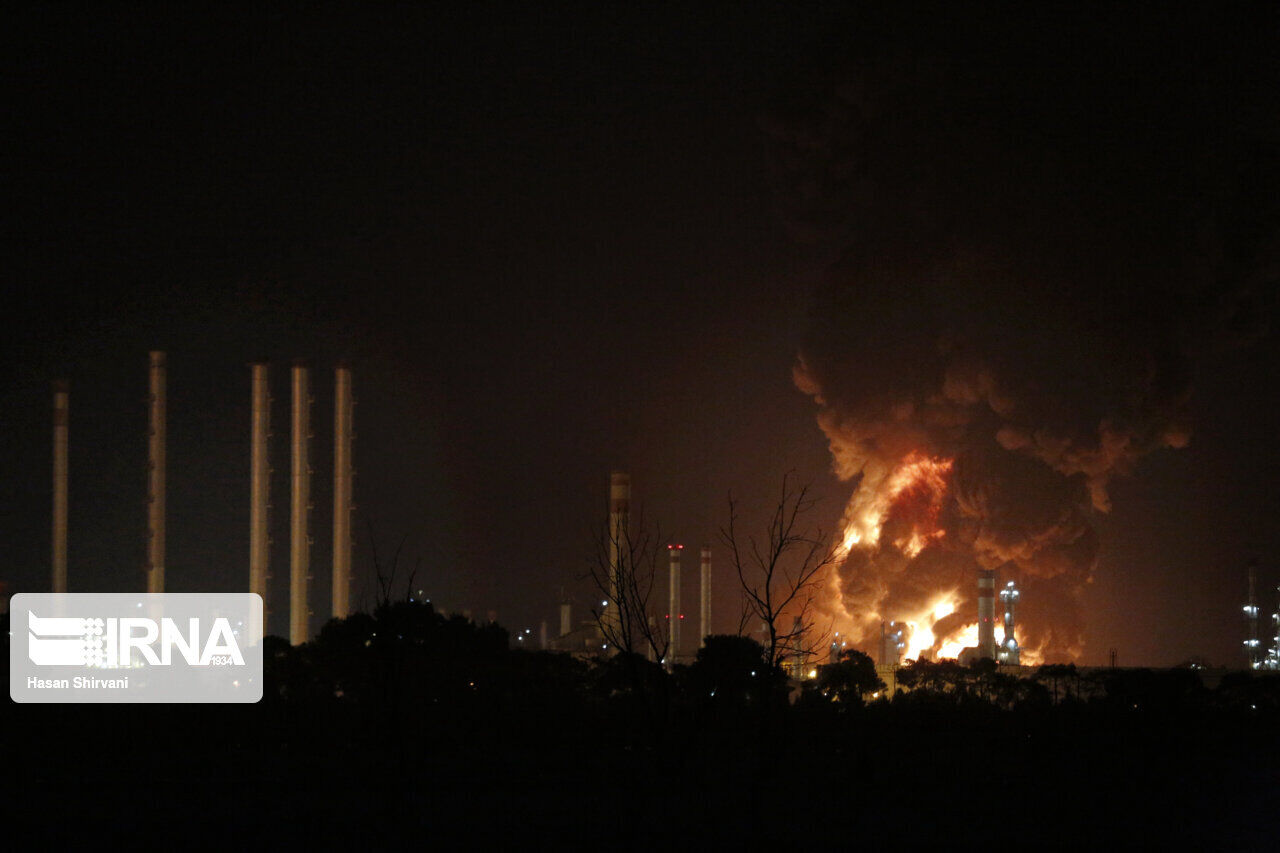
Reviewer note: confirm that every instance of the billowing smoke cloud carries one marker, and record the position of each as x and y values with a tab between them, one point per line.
1038	222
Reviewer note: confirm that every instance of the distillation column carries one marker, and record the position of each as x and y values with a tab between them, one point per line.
1251	647
1009	651
796	640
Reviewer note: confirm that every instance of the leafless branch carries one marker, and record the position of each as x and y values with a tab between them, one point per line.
781	574
386	579
626	619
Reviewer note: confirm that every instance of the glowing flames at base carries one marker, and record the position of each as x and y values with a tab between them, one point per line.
921	638
921	641
907	500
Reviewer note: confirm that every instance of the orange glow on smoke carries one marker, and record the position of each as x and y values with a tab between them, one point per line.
909	498
916	487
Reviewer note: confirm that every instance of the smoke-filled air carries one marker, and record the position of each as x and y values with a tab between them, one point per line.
1027	265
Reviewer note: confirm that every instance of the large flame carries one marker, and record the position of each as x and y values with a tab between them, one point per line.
917	475
923	642
928	639
908	499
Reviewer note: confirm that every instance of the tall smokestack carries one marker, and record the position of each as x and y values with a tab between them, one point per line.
566	621
61	416
260	482
705	627
155	480
673	604
299	536
986	614
343	477
619	541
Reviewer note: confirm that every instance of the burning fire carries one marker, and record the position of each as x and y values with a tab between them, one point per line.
909	498
922	640
917	476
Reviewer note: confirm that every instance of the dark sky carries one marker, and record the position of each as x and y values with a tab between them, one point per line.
552	242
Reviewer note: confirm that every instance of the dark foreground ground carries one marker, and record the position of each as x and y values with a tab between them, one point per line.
538	748
886	777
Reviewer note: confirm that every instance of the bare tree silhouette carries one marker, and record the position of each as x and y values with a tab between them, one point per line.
622	607
781	574
386	575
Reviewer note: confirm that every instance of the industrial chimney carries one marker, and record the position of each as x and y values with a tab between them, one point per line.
705	627
986	614
299	532
619	545
155	476
343	477
674	616
260	483
61	416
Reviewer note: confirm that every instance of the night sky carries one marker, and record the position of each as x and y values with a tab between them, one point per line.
554	242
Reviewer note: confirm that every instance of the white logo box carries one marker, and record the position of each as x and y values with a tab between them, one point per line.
120	647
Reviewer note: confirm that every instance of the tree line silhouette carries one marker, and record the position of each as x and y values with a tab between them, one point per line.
406	721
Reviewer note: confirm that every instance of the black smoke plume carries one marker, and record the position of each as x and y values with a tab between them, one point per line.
1041	217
